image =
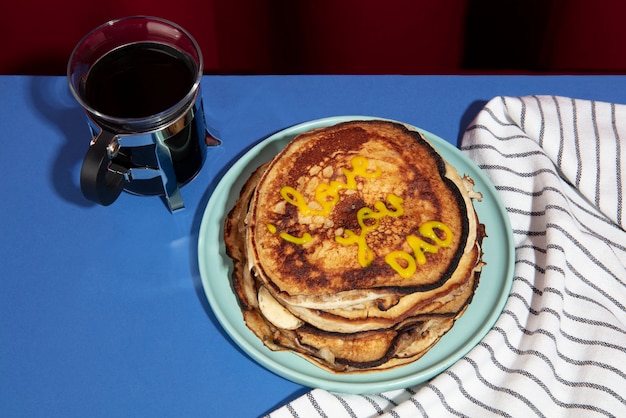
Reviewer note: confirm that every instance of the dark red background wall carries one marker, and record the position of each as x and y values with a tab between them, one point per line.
341	36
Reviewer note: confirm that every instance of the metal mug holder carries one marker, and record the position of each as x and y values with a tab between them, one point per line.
110	165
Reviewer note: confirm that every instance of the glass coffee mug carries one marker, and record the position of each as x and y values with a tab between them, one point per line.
138	80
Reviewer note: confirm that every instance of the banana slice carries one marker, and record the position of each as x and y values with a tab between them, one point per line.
276	313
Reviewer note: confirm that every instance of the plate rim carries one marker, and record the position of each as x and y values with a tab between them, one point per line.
271	360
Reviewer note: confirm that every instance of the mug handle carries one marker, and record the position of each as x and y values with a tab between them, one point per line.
101	179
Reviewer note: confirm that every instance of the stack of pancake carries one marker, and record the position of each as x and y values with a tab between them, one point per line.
356	247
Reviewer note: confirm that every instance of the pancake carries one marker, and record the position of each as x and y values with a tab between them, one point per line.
356	247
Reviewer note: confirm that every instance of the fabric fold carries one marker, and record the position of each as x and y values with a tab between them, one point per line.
559	347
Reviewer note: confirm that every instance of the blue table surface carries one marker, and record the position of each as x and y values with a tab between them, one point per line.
102	310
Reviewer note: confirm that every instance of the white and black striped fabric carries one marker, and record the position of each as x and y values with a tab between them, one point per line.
559	347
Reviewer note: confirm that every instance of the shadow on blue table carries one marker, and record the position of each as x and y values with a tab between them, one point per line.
193	251
61	111
468	117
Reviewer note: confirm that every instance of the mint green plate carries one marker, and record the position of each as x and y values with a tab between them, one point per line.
491	295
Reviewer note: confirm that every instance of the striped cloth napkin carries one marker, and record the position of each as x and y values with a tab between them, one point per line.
559	347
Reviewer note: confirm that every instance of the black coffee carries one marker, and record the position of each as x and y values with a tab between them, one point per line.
139	80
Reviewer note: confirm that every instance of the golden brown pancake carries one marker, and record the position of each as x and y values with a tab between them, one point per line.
357	246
